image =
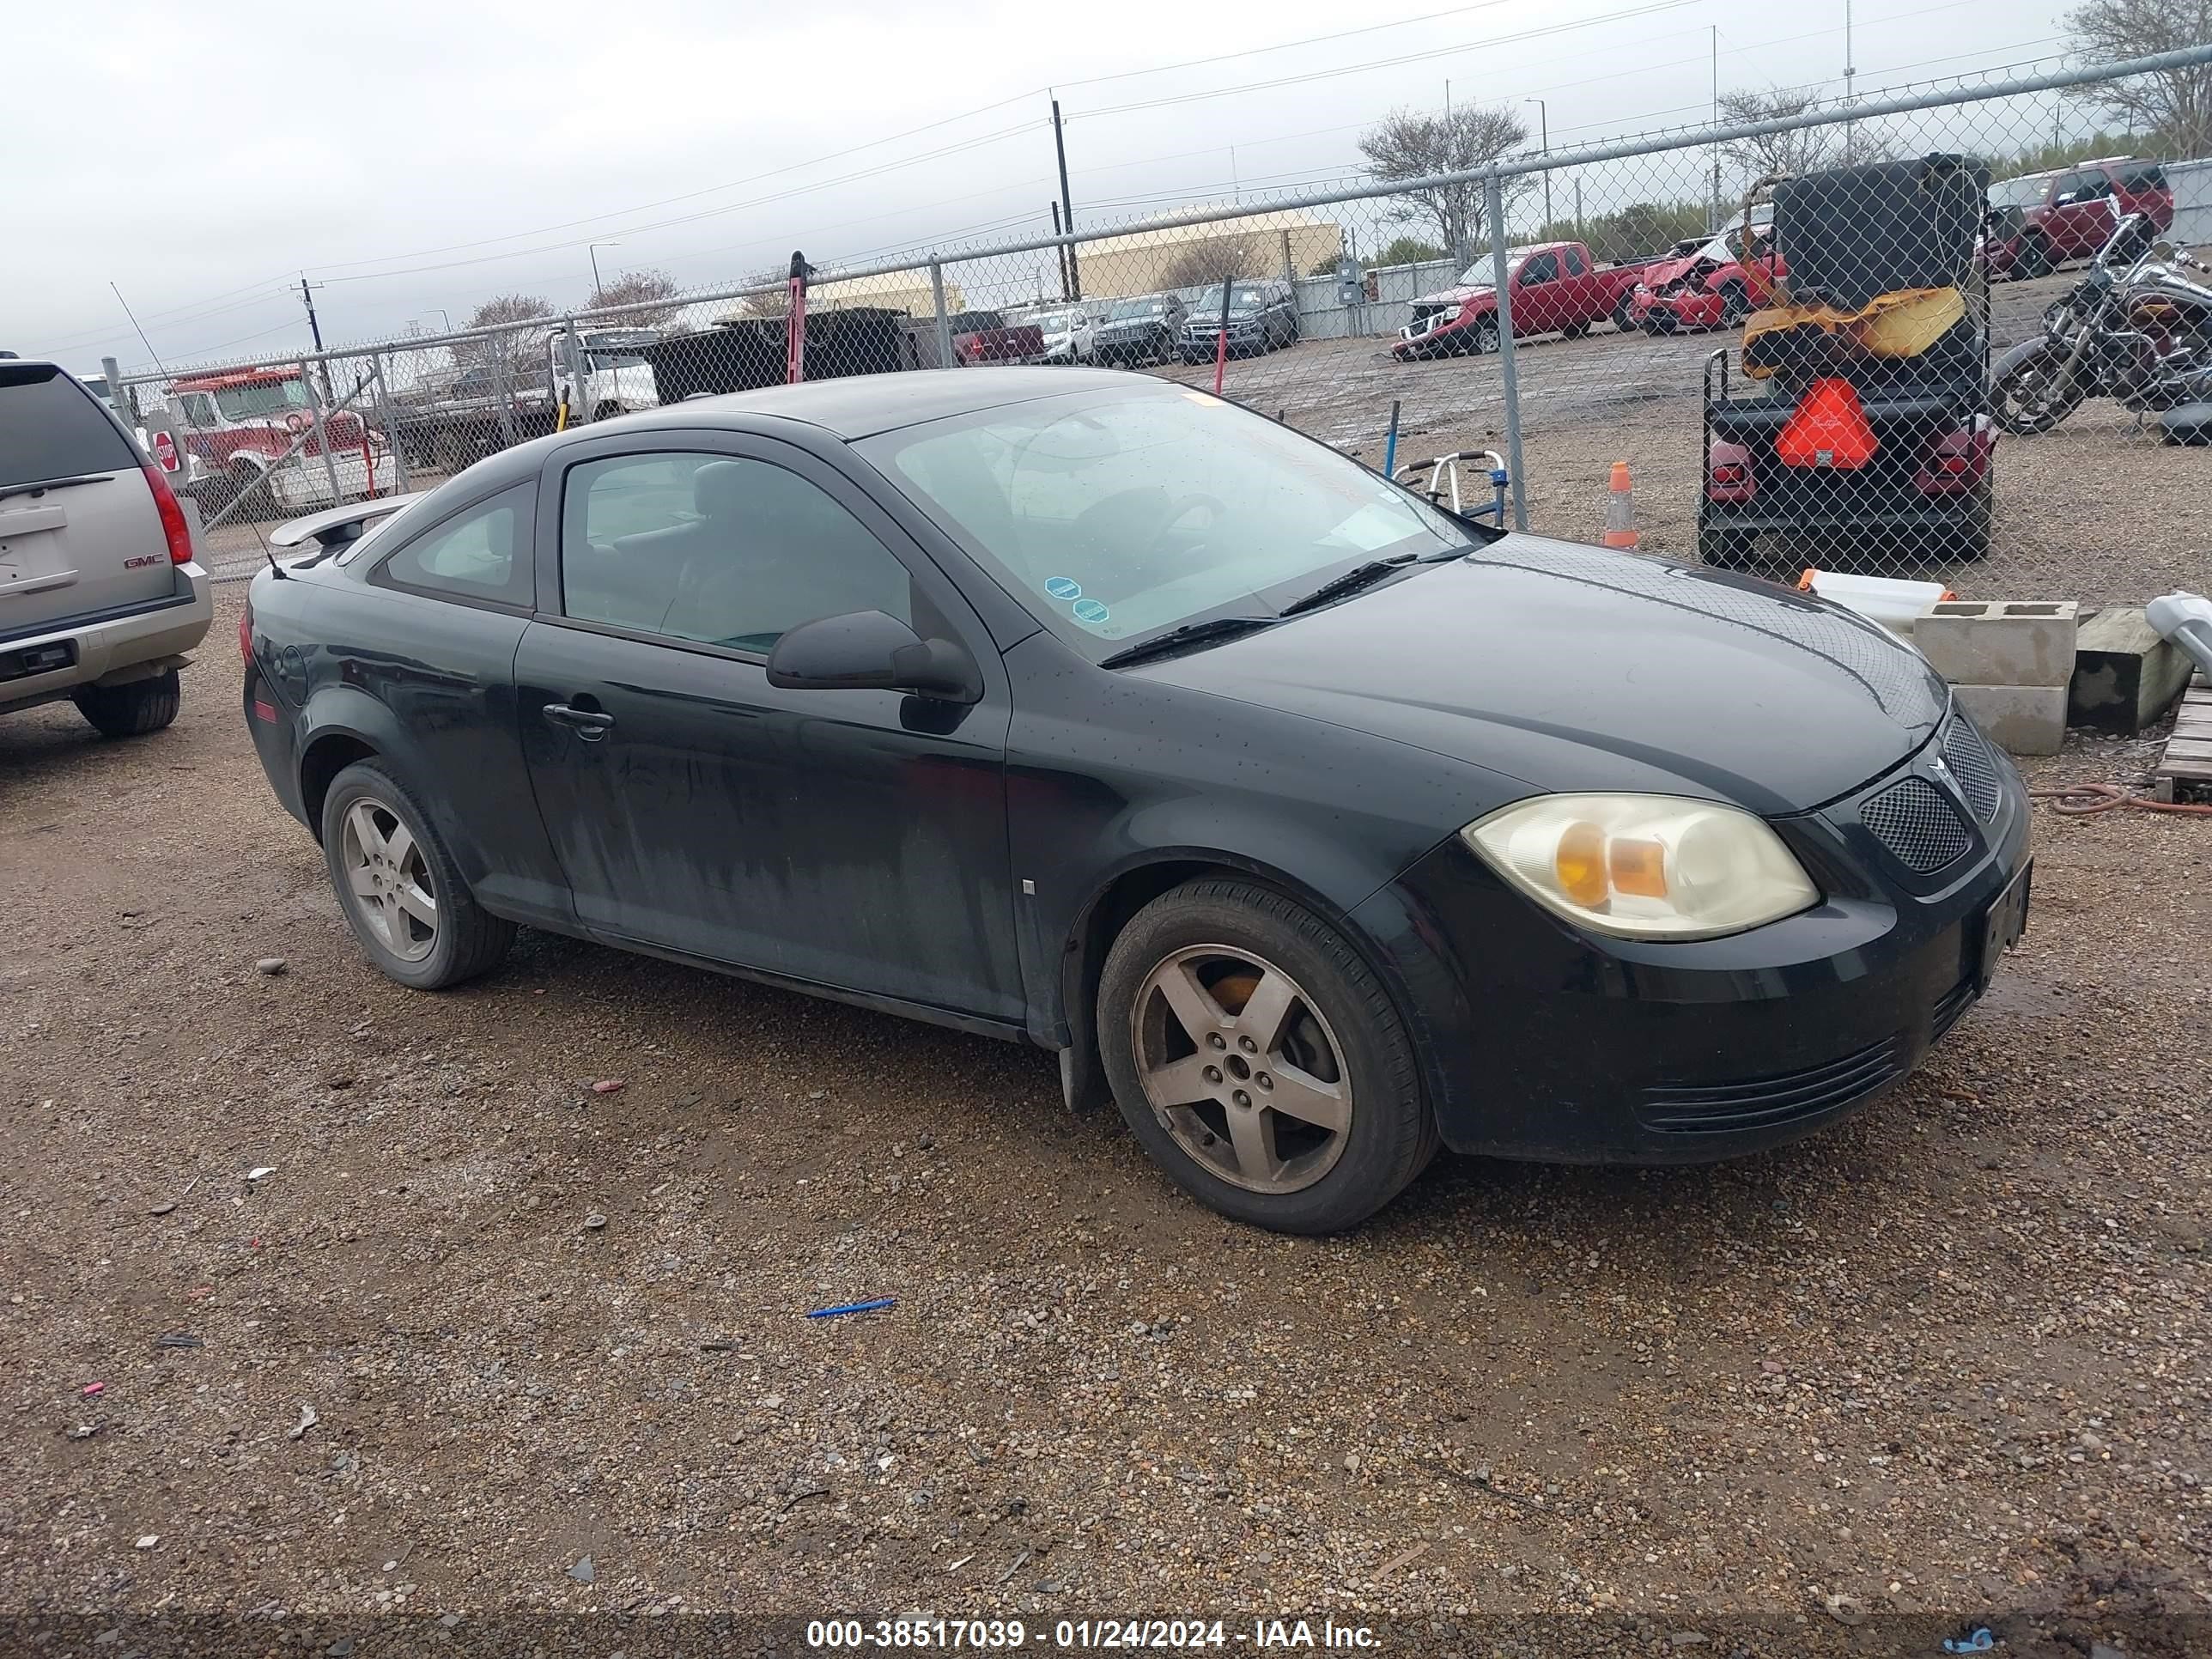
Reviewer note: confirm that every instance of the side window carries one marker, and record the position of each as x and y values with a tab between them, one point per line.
481	553
2152	177
198	411
1574	265
1540	267
722	550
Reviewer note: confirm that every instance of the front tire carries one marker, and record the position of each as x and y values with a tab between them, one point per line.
2021	397
400	889
1260	1061
132	710
1736	304
2032	260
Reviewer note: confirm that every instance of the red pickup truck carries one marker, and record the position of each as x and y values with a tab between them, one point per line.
1557	288
985	337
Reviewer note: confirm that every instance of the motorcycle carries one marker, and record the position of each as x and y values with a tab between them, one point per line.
2135	328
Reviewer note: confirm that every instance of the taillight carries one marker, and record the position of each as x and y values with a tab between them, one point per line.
1727	474
174	528
246	632
1956	461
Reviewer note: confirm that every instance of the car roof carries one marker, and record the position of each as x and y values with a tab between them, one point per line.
860	405
857	406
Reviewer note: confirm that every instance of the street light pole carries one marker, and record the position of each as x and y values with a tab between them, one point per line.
1544	141
598	287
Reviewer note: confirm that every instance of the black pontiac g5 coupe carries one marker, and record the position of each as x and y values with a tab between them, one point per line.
1315	825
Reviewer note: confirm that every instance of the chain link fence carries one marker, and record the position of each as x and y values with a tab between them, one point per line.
1812	339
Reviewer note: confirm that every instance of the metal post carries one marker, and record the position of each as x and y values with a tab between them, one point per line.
1290	266
943	320
385	414
113	373
322	440
579	388
1493	198
502	388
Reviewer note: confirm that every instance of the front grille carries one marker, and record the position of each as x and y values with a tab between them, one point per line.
1915	825
1952	1003
1767	1103
1966	752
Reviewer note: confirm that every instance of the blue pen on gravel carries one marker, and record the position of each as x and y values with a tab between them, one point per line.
854	1307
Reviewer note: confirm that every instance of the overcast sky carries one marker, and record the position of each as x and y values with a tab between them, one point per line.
412	157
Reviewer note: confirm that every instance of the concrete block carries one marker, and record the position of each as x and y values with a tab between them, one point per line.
2024	719
2125	675
1998	642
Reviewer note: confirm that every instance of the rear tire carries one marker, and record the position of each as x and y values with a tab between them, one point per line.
1333	1124
132	710
1574	330
2032	260
1486	337
382	883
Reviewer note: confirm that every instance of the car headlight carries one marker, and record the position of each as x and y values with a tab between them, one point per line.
1644	866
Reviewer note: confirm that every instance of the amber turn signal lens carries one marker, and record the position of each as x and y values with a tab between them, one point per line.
1580	862
1639	867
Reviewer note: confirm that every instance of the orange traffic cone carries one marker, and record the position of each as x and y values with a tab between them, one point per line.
1620	510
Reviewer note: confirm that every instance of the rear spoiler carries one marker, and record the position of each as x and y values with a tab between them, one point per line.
334	526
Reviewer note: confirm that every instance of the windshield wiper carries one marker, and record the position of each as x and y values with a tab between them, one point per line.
54	484
1361	576
1217	627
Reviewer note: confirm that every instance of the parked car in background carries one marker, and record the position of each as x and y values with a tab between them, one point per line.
101	596
2042	219
986	336
1710	289
1139	330
1557	289
1066	332
242	426
1294	814
617	380
1262	316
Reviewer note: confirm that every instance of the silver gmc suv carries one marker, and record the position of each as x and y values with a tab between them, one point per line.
99	594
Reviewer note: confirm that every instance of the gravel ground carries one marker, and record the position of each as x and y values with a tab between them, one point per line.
1945	1362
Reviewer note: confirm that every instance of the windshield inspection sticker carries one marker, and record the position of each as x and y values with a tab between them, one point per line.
1064	587
1090	610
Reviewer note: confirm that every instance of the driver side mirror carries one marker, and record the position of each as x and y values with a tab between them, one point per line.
872	651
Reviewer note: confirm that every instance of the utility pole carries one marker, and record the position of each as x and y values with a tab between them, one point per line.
307	299
1066	291
1715	220
315	328
1066	203
1544	141
1850	73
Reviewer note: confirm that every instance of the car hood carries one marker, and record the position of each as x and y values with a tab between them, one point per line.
1658	276
1570	667
1454	296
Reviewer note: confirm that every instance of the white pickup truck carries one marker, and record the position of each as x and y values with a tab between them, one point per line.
617	380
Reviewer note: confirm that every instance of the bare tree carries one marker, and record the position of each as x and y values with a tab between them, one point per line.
2172	106
1794	149
1410	144
774	299
634	287
1216	259
517	344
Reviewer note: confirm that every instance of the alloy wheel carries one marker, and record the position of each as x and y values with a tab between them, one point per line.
1241	1067
390	879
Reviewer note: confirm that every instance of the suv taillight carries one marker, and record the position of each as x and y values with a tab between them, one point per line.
174	528
246	632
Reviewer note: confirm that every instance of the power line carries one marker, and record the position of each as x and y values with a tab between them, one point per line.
1285	45
1426	56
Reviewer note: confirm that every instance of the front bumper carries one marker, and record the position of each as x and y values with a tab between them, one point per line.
1665	311
1540	1041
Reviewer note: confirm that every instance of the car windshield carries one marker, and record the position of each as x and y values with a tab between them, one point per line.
2019	192
1054	322
1117	514
260	398
1151	307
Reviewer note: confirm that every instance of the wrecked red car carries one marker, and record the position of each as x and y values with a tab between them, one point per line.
1711	288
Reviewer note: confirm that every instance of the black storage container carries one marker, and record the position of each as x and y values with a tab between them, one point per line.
745	355
1850	234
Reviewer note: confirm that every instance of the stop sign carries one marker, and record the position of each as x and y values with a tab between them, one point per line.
165	451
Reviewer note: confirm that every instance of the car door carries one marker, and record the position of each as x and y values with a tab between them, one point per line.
1578	288
1536	294
854	838
2081	213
